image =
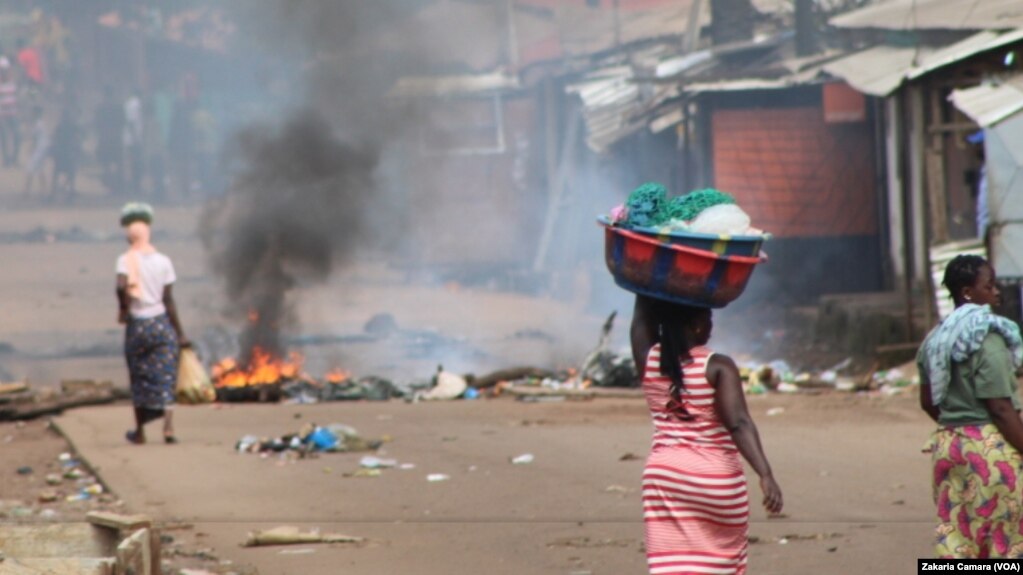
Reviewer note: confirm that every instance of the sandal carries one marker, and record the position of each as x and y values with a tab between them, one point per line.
133	437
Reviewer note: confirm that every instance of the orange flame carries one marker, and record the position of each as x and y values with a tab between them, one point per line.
337	375
263	368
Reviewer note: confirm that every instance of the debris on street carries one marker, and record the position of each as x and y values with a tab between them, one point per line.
290	535
311	438
19	401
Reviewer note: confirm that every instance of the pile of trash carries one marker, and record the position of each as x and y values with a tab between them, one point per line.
778	376
311	438
370	388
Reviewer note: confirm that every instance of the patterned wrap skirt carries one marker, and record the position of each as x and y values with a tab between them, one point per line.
978	490
151	348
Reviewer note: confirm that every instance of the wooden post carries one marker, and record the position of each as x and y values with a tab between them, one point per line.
896	203
565	165
918	201
936	188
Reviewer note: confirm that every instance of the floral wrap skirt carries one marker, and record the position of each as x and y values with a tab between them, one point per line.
978	493
151	349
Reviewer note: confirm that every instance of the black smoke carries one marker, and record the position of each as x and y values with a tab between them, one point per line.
292	213
303	180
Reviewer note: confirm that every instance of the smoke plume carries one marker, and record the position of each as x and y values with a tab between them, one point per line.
302	183
291	214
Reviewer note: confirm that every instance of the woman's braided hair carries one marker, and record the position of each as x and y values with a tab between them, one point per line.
673	319
962	272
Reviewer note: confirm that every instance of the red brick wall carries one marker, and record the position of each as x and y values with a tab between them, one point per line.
796	175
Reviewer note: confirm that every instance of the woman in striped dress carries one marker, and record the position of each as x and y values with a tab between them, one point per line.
695	503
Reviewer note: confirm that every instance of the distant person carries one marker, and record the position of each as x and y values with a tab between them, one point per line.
968	387
10	130
67	148
31	62
35	168
110	127
134	129
695	500
153	335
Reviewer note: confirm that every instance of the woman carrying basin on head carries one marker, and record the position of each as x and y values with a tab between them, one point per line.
153	334
968	386
695	501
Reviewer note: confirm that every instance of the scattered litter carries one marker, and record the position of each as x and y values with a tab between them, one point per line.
618	489
845	384
364	472
25	470
311	438
305	390
54	479
786	387
522	459
289	535
775	411
435	477
48	514
629	457
48	496
407	466
372	462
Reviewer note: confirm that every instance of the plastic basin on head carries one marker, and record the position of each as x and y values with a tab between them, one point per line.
720	244
673	272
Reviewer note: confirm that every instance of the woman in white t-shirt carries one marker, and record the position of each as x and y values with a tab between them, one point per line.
153	334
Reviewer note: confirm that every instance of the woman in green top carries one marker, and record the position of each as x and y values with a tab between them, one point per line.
968	386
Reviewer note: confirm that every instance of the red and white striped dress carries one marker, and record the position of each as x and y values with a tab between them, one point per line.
695	503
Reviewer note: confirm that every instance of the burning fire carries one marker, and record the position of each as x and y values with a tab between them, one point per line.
336	375
262	369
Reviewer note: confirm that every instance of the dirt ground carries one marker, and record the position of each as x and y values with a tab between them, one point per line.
857	496
856	484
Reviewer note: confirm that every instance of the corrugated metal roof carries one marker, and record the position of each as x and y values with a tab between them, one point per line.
747	84
877	71
976	44
881	70
440	86
935	15
989	104
614	104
